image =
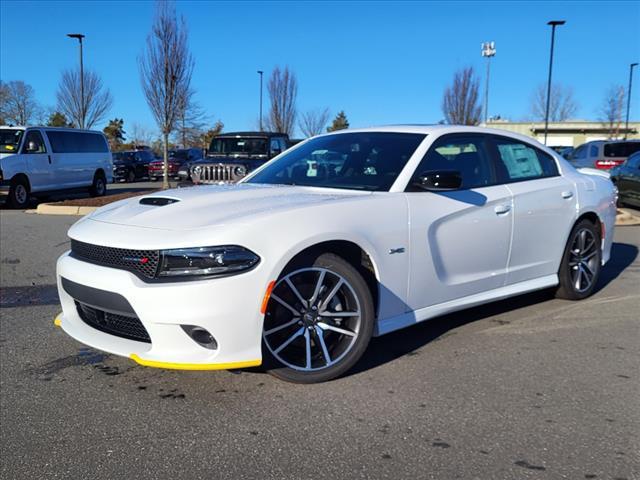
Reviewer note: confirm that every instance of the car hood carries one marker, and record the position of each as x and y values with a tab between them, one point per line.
214	205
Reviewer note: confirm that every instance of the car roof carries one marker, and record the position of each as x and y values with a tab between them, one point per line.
250	134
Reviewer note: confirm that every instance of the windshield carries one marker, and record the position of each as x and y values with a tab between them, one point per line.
10	140
250	146
362	161
179	155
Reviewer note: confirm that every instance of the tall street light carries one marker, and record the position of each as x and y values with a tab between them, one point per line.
260	72
80	36
488	50
626	130
554	24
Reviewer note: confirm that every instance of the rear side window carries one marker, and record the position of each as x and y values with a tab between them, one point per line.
622	149
518	161
466	154
76	142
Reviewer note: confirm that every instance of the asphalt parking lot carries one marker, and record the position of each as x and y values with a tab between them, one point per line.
530	387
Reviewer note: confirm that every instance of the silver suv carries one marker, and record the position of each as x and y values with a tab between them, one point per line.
603	154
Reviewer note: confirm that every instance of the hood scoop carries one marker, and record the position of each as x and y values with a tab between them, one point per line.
158	201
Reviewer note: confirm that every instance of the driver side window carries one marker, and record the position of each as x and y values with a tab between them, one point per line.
465	154
34	138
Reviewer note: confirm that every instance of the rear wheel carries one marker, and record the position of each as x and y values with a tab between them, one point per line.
131	176
318	322
581	263
19	193
99	186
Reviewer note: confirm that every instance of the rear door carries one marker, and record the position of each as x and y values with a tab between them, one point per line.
629	180
544	207
38	159
459	240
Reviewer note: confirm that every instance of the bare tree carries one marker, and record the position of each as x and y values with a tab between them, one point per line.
561	107
17	102
83	112
460	101
191	122
283	91
611	110
165	70
313	122
140	135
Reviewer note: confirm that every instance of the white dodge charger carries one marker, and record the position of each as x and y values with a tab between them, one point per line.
346	236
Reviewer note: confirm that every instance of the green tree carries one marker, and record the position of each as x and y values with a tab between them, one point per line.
339	123
58	119
114	132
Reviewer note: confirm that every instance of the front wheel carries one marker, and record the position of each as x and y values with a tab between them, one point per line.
581	263
19	194
318	322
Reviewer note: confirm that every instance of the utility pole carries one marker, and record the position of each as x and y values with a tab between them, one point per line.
488	51
554	24
260	72
83	106
626	129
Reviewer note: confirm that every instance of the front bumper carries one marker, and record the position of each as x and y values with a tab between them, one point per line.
228	307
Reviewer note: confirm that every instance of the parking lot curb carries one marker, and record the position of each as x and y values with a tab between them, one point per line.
50	209
626	218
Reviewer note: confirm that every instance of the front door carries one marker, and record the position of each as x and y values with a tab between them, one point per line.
38	160
459	240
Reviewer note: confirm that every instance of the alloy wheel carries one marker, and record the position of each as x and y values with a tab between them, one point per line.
583	261
313	319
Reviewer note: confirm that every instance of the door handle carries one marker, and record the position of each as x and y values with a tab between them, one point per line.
567	195
502	209
49	157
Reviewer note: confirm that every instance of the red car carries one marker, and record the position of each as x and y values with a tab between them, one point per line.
176	159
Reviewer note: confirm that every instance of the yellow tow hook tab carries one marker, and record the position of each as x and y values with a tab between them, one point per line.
58	320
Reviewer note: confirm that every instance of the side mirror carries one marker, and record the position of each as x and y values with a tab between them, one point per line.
32	147
439	180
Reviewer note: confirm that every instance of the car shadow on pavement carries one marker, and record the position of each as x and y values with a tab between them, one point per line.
407	341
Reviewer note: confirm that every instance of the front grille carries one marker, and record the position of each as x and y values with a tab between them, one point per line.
141	262
218	173
113	323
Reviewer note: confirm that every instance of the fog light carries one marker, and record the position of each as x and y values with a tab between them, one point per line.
200	336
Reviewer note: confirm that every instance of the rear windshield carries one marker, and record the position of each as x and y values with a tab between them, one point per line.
622	149
9	140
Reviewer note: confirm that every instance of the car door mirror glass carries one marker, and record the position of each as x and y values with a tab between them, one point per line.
439	180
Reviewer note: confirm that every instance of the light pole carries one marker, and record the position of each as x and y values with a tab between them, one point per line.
554	24
626	129
488	50
260	72
80	36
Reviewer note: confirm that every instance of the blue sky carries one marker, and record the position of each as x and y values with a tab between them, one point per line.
380	62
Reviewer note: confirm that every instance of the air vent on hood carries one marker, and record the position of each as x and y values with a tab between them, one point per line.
158	201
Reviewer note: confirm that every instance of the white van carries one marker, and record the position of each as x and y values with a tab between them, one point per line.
42	160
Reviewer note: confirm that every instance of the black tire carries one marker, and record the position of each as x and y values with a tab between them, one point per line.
18	194
131	176
580	270
347	349
99	186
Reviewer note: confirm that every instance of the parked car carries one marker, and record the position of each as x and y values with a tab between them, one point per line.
350	234
627	178
177	159
39	161
603	154
131	165
231	156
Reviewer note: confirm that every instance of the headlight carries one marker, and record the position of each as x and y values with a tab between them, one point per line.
240	171
197	169
206	261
